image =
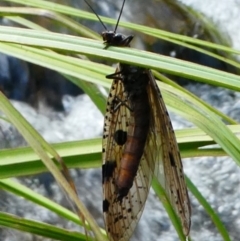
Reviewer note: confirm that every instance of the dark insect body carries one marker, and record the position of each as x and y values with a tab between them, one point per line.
138	143
136	108
135	82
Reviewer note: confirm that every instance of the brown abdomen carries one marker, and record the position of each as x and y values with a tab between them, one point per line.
136	139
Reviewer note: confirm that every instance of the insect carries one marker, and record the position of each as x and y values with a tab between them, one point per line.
138	142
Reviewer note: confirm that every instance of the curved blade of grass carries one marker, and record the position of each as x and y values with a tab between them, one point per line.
71	68
201	50
197	135
13	13
55	7
79	68
20	190
173	216
90	89
175	85
24	161
212	214
35	141
203	118
39	228
126	55
217	152
87	153
169	209
84	31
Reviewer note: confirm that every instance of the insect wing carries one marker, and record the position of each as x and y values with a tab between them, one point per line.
121	217
168	168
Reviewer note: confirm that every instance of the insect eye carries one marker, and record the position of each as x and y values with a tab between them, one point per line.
104	36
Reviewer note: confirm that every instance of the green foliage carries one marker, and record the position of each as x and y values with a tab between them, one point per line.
52	50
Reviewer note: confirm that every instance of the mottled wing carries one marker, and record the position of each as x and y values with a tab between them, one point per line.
168	169
121	218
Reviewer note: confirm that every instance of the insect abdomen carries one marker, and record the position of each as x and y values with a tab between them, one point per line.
136	139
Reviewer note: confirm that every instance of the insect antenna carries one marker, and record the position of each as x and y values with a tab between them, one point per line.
120	14
96	15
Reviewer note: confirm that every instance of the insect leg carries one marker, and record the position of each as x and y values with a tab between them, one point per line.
126	42
119	102
115	76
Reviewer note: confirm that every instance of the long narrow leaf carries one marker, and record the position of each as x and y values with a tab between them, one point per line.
43	229
131	56
212	214
36	143
144	29
87	153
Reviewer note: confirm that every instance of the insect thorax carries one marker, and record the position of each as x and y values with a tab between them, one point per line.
112	38
135	80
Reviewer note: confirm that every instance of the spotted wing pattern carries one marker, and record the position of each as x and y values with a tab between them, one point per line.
160	158
168	168
121	217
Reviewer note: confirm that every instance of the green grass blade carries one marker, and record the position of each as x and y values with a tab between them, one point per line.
127	55
198	100
39	228
212	214
203	118
159	190
22	191
38	145
24	161
55	7
87	153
